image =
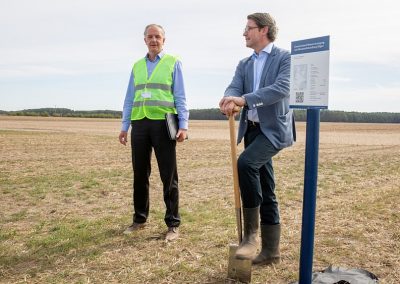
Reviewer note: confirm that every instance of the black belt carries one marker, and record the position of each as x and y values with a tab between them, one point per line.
253	123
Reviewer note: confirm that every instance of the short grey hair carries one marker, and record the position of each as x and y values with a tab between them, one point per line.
265	20
154	25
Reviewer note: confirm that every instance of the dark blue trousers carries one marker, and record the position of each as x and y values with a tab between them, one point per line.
256	175
148	135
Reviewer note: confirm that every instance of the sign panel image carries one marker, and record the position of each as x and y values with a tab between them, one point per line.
309	75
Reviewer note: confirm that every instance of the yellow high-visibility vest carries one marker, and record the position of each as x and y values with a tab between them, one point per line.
153	96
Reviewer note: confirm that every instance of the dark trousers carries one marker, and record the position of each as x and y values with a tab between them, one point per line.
147	135
256	175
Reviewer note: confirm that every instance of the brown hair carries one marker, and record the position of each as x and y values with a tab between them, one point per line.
265	20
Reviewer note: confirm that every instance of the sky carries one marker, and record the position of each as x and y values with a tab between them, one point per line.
78	54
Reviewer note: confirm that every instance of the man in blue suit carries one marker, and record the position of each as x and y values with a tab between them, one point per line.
261	86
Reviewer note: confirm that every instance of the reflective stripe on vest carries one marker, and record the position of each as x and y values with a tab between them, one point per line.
153	96
153	86
154	103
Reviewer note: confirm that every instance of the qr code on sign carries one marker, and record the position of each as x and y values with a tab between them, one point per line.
299	97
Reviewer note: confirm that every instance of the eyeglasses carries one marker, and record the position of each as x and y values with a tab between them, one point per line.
247	28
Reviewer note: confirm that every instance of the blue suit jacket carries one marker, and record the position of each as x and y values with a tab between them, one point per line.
271	99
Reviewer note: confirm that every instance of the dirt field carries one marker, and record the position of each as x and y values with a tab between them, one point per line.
66	197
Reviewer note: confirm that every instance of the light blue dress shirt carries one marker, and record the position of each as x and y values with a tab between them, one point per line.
178	90
259	62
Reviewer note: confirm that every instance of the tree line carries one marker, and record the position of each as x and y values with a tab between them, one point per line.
325	116
65	112
215	114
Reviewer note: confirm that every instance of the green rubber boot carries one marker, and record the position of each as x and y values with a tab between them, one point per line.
251	222
270	253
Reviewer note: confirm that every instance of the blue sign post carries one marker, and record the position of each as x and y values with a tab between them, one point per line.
309	90
309	196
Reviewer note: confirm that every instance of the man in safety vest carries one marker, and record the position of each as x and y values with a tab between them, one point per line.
155	88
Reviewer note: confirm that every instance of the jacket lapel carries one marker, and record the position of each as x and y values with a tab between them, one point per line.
268	63
250	74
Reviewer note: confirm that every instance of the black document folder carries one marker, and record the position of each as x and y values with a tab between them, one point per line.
171	119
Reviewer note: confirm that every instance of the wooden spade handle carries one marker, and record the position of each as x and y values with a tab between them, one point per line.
235	176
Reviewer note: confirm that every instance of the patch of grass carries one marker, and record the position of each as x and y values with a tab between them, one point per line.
7	235
15	217
64	237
